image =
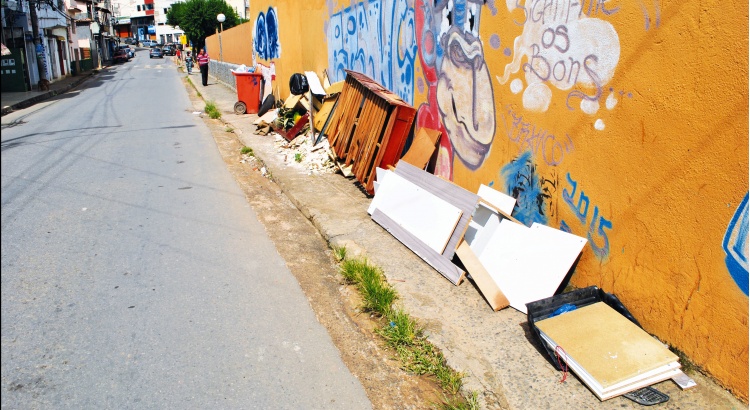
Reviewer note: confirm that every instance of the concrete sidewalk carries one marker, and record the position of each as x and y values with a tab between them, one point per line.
12	101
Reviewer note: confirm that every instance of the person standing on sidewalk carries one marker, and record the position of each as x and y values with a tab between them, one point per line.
203	63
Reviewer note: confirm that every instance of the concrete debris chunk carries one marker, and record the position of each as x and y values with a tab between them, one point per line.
300	153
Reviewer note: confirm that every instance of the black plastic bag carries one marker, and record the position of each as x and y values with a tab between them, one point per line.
298	84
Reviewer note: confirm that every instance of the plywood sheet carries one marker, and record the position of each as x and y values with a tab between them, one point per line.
421	149
529	264
427	217
481	277
608	346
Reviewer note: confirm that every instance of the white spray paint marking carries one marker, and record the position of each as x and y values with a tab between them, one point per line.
589	107
537	97
611	101
516	86
599	124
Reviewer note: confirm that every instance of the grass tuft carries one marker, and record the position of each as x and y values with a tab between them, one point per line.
401	332
339	252
212	110
247	150
298	157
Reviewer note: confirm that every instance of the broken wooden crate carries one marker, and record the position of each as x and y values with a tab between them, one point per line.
369	127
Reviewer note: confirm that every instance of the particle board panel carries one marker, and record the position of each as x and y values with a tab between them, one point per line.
464	200
529	264
424	215
608	348
481	277
440	263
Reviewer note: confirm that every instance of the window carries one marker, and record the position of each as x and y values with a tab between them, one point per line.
165	11
138	7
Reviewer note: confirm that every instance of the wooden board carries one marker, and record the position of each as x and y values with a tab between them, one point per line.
529	264
610	350
439	262
335	88
481	277
427	217
421	149
447	191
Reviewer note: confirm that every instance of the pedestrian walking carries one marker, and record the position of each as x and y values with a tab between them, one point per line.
179	55
189	62
203	64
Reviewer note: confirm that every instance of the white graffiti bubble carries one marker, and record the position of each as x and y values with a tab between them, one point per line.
611	101
516	86
537	97
599	124
589	107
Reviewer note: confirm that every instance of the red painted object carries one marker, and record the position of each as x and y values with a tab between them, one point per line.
248	91
296	128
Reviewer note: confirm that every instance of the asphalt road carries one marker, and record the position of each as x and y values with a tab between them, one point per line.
135	274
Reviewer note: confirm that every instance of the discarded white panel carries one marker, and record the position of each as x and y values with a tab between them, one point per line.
314	82
499	200
427	217
529	264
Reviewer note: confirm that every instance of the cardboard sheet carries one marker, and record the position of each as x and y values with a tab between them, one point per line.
315	86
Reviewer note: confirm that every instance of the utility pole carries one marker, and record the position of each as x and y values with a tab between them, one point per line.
41	61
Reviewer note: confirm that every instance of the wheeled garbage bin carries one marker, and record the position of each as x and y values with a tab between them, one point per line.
248	92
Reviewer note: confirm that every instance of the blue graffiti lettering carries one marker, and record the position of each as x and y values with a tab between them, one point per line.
376	39
266	41
580	209
735	245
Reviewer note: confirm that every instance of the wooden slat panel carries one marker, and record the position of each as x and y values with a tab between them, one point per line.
374	138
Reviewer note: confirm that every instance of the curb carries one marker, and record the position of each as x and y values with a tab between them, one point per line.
42	97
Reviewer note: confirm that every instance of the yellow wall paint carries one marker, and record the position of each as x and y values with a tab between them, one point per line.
652	170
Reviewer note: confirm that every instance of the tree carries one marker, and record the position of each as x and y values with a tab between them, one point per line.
197	18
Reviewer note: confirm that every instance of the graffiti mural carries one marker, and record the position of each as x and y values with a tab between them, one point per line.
460	100
597	236
736	246
542	143
565	47
375	38
533	192
266	31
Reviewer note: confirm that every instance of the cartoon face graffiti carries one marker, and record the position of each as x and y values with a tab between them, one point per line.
464	96
459	81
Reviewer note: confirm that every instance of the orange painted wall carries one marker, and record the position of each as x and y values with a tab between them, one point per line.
623	122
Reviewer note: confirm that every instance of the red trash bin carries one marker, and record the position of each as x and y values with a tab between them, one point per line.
248	92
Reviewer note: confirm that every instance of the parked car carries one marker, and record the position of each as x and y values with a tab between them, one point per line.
150	43
130	40
156	53
168	50
128	50
121	56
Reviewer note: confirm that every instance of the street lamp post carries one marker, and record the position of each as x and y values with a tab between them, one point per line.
220	17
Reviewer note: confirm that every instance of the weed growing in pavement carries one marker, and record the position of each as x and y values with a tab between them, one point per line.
247	150
229	129
212	110
401	332
339	252
298	157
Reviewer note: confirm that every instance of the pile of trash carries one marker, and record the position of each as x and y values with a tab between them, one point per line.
301	153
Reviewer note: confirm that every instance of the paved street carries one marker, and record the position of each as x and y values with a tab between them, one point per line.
135	274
